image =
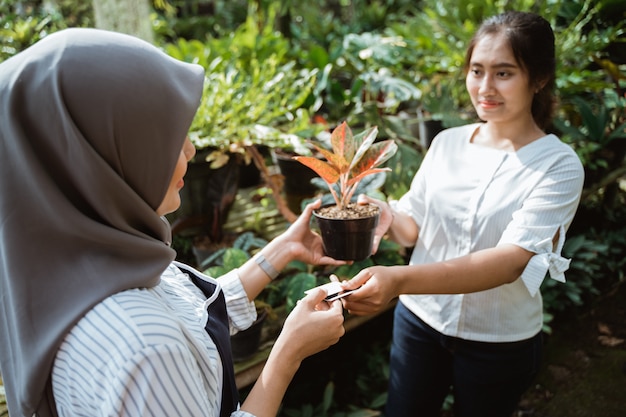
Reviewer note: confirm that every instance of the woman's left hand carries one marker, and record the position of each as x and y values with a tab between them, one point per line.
306	245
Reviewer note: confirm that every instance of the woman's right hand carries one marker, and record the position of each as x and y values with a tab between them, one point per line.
384	221
399	227
374	288
302	243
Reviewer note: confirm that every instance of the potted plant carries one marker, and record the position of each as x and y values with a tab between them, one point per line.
347	228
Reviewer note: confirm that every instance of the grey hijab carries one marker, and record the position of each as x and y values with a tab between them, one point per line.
91	126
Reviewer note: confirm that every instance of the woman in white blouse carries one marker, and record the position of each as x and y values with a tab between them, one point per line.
487	214
96	317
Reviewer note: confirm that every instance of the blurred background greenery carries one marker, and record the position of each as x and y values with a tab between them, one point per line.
396	64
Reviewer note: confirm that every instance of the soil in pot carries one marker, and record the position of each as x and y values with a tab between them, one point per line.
351	211
348	234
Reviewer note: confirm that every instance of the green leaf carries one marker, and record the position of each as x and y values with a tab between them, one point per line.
618	133
594	122
234	258
349	271
216	271
379	401
298	284
327	400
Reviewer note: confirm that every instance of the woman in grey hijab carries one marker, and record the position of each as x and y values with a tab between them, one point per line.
96	317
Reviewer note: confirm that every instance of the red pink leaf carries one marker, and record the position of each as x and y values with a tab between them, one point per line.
376	155
326	171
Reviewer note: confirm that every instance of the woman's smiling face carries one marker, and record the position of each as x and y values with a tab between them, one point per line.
498	86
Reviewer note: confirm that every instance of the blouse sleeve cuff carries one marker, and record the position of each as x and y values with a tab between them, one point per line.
241	311
240	413
543	262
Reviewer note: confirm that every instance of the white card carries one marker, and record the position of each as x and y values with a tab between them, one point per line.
334	290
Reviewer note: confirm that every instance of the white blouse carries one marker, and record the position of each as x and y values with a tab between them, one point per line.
467	197
145	352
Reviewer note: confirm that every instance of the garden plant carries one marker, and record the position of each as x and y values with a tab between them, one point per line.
347	228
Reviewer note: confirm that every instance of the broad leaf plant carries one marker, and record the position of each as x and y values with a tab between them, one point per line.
353	157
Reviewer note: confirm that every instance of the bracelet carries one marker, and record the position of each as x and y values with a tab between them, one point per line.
267	267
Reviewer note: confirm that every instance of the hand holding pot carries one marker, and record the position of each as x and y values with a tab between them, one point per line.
384	221
305	245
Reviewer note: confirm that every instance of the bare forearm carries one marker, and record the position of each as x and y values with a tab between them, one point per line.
267	393
312	326
253	278
477	271
482	270
403	230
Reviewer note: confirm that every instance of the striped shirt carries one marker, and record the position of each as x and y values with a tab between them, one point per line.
145	352
467	197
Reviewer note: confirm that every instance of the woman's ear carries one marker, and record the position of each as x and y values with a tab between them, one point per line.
539	85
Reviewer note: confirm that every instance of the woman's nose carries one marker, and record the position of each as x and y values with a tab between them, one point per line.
486	85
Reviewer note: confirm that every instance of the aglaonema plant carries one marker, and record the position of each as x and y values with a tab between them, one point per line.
352	158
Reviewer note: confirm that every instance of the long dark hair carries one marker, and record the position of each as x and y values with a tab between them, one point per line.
532	41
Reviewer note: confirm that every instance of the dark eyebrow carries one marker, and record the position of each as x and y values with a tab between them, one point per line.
497	66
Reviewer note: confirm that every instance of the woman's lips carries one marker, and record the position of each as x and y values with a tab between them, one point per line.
488	104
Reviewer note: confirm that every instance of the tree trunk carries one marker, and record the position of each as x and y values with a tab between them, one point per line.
126	16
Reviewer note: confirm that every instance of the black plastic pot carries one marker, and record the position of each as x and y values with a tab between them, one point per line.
347	239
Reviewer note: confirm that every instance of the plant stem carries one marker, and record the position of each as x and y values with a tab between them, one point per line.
256	156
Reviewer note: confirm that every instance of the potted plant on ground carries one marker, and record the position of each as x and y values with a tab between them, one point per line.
347	228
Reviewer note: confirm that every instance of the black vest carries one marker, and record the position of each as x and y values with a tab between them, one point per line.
217	328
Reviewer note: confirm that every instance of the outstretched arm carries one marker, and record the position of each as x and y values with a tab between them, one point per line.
477	271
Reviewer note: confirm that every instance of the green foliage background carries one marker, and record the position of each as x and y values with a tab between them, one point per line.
395	64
